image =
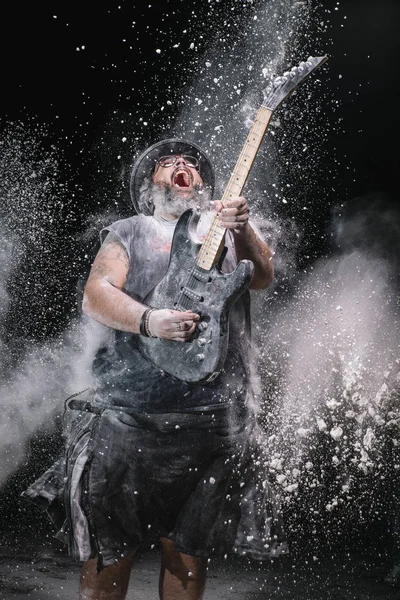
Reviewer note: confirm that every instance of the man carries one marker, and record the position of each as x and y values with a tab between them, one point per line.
147	451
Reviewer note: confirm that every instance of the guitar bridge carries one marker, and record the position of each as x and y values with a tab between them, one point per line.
178	306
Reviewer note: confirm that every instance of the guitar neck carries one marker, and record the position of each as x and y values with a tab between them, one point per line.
213	244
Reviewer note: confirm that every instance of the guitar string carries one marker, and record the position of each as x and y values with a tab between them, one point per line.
235	174
253	130
183	299
228	191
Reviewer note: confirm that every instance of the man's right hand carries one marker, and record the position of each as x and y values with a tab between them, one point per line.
173	324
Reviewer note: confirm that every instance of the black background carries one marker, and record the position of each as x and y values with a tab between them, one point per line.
45	78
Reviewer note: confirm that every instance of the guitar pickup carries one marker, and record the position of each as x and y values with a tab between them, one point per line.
202	276
192	295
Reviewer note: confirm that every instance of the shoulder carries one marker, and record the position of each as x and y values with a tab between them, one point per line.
125	228
123	224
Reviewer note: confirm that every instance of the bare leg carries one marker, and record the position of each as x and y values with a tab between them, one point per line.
182	577
110	584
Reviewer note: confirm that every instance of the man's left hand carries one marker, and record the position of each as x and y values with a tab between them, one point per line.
234	214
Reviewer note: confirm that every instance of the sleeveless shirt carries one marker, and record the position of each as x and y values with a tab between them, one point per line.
123	376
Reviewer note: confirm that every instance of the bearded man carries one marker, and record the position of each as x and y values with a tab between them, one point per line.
146	451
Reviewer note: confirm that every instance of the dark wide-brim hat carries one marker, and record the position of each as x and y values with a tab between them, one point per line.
144	166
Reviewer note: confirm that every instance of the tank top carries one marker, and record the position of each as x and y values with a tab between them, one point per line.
123	376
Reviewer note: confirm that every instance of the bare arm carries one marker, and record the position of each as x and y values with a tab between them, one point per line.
248	245
235	216
105	301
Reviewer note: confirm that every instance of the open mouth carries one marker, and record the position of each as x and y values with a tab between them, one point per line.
181	179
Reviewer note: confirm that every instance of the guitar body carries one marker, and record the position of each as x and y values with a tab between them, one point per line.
209	293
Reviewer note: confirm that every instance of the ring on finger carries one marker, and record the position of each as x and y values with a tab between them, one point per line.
178	326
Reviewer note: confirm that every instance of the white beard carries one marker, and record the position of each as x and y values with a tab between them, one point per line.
168	201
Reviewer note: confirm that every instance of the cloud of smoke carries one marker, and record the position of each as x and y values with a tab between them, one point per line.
341	315
34	393
36	376
330	358
369	223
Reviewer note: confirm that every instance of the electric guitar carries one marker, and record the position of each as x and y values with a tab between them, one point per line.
194	280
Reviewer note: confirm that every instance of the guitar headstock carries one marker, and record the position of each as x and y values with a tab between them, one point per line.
279	88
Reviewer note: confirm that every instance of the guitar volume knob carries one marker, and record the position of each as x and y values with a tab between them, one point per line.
201	341
202	326
200	357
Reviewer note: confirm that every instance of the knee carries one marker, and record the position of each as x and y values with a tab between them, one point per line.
185	567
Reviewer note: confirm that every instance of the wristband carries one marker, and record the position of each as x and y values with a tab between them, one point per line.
144	323
147	321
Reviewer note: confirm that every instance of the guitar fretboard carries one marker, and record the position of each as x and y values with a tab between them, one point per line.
212	245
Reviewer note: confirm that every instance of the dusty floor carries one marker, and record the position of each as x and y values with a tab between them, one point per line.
44	572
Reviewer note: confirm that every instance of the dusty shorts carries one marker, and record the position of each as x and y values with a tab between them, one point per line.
194	478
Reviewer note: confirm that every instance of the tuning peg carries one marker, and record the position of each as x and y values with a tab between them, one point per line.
277	81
